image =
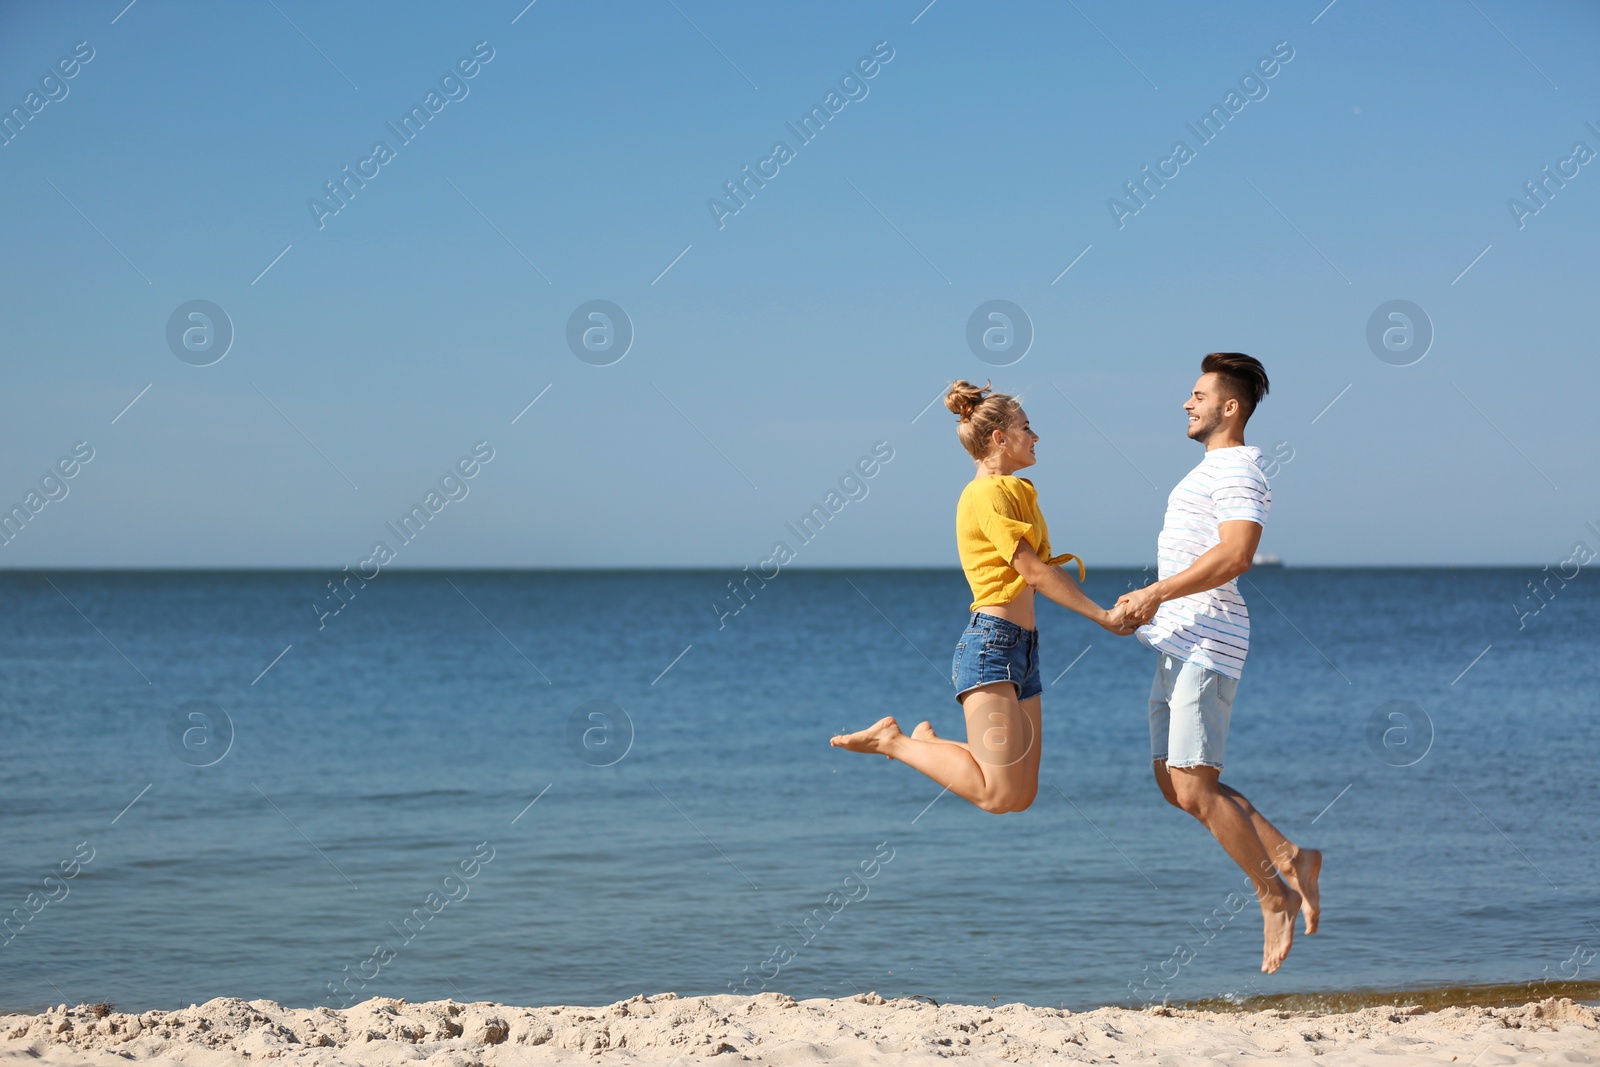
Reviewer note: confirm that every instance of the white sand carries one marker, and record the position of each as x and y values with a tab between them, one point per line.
775	1029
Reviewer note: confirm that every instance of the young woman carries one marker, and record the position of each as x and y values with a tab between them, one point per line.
1005	552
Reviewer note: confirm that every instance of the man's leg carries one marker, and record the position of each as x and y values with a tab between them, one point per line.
1299	867
1200	794
1200	705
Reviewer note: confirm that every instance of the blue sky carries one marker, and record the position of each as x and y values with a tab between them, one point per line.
771	353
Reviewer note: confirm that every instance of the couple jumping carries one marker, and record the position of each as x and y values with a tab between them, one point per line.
1192	617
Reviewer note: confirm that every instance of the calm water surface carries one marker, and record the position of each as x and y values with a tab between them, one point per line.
690	829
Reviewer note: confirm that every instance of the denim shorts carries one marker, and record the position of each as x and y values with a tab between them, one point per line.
1190	707
993	649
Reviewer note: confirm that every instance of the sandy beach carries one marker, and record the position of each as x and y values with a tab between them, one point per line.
776	1029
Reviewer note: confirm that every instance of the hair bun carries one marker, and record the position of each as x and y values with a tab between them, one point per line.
982	413
963	398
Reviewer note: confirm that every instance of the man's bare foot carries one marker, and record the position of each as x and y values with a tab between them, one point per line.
876	738
924	732
1277	920
1302	879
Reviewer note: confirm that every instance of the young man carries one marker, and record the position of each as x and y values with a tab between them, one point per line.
1197	623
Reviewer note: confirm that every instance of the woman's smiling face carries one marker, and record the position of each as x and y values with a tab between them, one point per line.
1015	447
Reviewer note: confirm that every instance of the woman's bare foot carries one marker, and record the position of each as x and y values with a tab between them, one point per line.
924	732
1277	920
878	737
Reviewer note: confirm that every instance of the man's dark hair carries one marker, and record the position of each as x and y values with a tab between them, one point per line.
1244	377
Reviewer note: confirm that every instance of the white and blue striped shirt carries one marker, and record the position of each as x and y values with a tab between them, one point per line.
1212	628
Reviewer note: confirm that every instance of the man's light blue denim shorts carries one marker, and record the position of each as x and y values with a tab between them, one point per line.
1190	707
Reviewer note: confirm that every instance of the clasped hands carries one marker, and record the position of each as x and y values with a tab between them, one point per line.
1132	610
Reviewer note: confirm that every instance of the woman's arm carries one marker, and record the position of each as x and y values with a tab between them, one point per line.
1061	587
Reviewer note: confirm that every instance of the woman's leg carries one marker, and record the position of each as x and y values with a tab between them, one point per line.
997	768
924	732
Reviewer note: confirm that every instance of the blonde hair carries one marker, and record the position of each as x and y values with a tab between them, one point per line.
982	411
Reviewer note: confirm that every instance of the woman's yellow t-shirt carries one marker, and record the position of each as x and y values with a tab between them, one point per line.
994	514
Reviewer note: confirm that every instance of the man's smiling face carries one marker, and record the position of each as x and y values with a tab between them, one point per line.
1205	407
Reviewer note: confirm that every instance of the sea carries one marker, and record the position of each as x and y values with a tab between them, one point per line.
573	787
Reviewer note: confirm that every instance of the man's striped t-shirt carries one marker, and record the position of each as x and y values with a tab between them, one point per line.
1211	629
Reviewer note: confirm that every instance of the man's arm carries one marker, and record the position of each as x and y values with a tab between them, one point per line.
1061	587
1218	565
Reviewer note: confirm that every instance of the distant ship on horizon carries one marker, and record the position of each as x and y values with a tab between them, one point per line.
1265	559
